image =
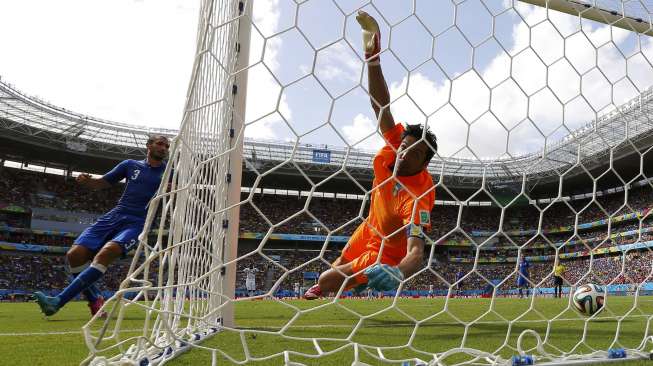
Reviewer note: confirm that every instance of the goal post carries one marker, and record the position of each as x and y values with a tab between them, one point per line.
234	175
182	281
180	292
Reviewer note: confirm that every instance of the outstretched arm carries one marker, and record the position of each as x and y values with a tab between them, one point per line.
383	277
379	94
413	259
92	183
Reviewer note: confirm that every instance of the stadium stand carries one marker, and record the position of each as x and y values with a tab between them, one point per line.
21	272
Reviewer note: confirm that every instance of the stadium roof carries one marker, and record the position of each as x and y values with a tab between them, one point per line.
64	136
32	113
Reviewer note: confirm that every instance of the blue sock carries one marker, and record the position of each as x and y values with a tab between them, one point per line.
85	279
91	293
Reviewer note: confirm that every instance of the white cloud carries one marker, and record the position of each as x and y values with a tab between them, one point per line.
520	103
427	96
75	56
522	112
338	62
580	54
120	60
262	89
363	127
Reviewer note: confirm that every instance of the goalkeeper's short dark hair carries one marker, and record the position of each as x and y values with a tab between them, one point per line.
417	131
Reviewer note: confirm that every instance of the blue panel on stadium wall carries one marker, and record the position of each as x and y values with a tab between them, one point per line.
321	156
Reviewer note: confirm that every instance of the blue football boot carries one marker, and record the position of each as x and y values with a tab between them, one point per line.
49	305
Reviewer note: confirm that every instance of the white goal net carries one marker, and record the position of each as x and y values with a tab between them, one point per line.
541	109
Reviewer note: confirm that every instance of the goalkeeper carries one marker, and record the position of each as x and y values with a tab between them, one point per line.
389	245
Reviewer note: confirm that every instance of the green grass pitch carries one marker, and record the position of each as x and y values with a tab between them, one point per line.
28	338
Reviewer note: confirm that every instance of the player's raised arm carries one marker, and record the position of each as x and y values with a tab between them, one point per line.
115	175
379	94
92	183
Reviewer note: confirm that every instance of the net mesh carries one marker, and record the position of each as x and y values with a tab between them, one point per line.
560	105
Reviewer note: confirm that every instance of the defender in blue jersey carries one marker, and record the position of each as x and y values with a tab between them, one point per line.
116	232
522	279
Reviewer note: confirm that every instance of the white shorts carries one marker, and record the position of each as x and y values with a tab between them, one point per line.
250	285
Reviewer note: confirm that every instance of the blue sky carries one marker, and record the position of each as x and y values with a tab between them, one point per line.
503	80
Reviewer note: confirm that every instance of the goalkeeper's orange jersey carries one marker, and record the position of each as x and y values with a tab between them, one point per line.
391	207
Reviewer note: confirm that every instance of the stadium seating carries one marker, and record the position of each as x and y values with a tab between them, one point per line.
24	271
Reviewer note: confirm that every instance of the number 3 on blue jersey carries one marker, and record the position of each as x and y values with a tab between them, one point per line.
136	173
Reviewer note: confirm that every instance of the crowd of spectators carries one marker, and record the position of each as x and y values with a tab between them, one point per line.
294	215
30	271
34	189
632	268
39	239
291	214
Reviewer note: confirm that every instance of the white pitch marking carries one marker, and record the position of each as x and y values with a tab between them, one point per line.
309	326
64	332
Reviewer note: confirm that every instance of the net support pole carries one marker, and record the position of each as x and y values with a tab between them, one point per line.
230	249
597	14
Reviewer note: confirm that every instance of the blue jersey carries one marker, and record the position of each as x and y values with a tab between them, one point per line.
459	275
143	181
523	268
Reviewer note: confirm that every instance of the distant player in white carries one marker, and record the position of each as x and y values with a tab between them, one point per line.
297	290
431	293
250	280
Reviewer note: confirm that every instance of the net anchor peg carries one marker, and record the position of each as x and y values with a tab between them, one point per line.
522	360
616	353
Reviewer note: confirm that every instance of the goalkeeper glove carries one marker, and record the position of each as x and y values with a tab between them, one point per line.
382	277
371	37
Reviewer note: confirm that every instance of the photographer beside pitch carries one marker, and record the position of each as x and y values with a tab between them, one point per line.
389	245
116	232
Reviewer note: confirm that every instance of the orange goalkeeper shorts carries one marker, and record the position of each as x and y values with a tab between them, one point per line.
361	255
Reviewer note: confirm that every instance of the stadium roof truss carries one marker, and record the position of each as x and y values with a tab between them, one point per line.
588	146
35	121
38	122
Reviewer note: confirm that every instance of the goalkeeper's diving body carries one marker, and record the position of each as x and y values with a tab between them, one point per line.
389	245
116	232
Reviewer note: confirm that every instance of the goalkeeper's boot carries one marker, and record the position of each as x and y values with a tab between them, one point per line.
313	293
49	305
96	306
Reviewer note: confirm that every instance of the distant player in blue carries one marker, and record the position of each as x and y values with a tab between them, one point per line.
116	232
522	279
459	276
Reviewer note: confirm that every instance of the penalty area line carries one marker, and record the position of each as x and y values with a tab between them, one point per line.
63	332
312	326
411	324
